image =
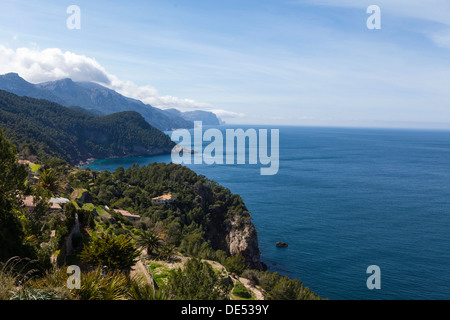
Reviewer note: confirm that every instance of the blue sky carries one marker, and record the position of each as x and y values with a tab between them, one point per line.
252	62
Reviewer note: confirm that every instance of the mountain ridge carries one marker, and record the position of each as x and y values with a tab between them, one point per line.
76	136
207	118
95	98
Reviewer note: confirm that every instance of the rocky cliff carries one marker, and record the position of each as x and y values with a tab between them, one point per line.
242	238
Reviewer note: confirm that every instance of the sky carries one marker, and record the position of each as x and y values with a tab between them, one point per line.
262	62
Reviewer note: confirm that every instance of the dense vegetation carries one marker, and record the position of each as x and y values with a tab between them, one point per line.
197	281
23	232
36	243
40	128
278	287
194	222
12	177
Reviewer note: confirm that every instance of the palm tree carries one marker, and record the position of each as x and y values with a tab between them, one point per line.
149	240
49	180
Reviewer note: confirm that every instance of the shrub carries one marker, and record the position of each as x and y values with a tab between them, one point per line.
241	291
235	264
112	252
197	281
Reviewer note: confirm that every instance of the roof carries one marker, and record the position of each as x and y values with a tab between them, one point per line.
164	197
127	214
59	200
24	162
29	202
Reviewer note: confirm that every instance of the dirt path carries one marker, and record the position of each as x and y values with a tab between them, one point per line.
139	268
253	290
180	261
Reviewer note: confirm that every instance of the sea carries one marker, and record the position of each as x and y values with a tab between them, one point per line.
345	199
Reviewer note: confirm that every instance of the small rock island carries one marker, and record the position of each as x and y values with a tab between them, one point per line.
281	245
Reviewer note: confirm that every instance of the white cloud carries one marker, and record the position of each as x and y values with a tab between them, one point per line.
36	66
51	64
149	95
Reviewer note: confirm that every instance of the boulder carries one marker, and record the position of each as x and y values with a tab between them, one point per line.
281	245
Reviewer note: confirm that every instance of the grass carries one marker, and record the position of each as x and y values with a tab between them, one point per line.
154	266
19	282
35	167
76	205
160	273
241	292
88	207
102	212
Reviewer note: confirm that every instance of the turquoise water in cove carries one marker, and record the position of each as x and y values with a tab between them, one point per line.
345	199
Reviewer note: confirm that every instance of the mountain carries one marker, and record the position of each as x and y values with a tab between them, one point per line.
92	97
207	118
13	83
44	127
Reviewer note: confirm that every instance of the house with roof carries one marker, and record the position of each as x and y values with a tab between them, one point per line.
59	200
55	205
128	215
164	199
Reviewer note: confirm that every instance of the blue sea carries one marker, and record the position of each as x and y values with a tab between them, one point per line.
345	199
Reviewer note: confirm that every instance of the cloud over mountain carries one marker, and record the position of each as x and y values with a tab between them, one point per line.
51	64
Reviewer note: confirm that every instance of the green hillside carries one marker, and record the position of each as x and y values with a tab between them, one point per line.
40	128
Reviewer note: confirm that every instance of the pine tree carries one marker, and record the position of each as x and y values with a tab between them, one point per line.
12	189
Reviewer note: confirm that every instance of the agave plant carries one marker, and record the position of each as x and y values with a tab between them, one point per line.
34	294
90	286
95	285
114	286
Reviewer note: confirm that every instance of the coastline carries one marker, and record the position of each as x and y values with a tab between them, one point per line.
176	148
239	238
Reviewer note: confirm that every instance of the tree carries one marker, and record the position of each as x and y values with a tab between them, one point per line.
112	252
235	264
12	189
285	289
73	135
150	241
197	281
49	180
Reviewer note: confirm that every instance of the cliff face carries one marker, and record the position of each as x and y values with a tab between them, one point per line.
242	238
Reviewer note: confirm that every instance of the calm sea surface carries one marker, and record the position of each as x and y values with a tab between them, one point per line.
345	199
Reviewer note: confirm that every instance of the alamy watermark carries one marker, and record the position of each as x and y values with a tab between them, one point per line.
374	280
374	20
73	22
74	280
231	150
